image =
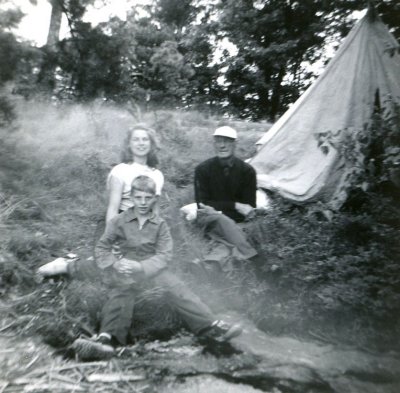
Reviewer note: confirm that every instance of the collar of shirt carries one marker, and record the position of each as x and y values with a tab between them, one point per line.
130	215
226	162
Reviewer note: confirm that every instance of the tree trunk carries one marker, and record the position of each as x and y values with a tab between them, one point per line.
276	95
55	23
46	77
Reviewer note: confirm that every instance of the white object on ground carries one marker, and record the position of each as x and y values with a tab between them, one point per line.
190	211
58	266
263	202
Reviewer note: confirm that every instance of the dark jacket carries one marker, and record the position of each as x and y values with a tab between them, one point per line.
221	186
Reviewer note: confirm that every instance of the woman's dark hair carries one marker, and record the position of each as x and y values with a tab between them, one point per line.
127	156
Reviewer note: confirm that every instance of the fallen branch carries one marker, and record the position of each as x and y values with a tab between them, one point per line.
54	387
31	362
67	367
16	322
24	298
115	377
4	386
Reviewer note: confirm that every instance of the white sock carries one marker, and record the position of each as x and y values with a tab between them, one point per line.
106	335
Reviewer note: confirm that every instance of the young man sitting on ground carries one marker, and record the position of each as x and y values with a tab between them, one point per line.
146	248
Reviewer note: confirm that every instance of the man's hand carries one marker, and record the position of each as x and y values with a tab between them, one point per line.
205	210
128	266
243	208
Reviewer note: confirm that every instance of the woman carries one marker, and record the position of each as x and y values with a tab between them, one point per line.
138	158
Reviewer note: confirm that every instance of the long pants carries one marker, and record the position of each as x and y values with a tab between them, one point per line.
223	229
117	312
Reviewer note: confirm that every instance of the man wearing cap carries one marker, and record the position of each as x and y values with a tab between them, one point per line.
226	184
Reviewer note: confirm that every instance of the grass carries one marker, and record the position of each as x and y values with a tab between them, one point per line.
335	281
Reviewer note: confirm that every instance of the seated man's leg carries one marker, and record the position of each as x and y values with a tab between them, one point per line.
196	314
224	229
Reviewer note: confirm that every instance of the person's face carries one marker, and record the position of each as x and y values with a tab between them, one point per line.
140	143
143	201
224	147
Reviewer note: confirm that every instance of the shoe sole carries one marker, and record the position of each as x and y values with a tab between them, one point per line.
89	350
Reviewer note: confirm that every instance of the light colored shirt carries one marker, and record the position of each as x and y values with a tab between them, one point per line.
126	173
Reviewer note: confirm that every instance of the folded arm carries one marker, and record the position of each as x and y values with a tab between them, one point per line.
244	201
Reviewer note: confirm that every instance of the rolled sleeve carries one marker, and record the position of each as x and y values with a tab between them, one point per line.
163	254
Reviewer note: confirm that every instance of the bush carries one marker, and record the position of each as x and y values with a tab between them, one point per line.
7	114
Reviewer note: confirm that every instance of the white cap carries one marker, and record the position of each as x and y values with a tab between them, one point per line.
226	131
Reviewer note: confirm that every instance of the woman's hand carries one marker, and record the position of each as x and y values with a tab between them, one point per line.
128	266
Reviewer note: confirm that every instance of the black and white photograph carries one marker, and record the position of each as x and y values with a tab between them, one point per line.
199	196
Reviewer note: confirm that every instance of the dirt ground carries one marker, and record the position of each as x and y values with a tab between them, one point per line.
255	362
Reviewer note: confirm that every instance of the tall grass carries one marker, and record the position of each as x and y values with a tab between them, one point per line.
56	160
331	280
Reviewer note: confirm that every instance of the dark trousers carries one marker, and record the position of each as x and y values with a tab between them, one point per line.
117	312
223	229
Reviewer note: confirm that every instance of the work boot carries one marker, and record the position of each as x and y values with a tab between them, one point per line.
96	348
221	331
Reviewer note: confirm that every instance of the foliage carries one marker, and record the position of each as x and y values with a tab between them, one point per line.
9	44
7	114
246	58
177	13
89	64
273	40
13	53
390	12
337	280
371	155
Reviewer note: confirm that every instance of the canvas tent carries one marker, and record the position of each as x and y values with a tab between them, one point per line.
365	69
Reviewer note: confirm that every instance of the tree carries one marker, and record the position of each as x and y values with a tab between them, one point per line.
74	11
390	12
12	53
188	21
174	13
275	39
55	22
10	48
89	64
155	69
197	47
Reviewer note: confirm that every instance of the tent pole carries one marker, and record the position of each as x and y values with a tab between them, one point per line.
372	12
